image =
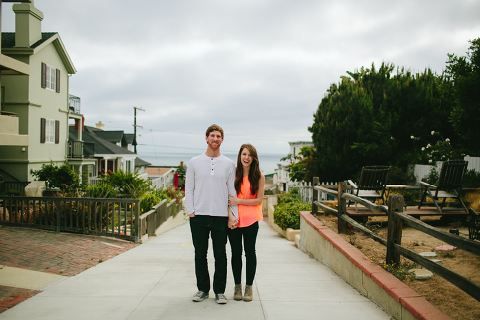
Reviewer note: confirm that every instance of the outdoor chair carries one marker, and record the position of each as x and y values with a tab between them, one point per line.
473	225
372	184
449	185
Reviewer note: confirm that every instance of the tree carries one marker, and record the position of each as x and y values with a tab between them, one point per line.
301	168
369	118
465	73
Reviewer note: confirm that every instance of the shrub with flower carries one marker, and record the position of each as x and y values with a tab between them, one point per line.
441	150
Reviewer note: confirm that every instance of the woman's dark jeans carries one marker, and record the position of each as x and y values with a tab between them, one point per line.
249	235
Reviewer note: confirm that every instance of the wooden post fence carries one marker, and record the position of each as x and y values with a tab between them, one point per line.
315	195
395	204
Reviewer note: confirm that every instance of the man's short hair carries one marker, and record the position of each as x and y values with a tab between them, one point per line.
214	127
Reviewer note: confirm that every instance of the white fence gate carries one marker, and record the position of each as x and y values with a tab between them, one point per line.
422	170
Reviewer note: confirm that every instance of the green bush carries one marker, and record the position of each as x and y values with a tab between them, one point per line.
471	179
57	177
170	193
432	176
287	215
400	176
287	211
100	191
147	201
128	183
290	196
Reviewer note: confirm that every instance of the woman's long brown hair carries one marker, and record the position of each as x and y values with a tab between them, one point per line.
254	173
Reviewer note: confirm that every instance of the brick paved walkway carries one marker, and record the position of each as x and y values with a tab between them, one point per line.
63	254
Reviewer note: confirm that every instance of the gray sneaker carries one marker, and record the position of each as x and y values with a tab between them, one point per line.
221	298
200	296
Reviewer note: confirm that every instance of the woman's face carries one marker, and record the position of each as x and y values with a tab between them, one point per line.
246	157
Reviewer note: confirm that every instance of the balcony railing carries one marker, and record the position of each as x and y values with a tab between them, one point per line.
74	103
80	149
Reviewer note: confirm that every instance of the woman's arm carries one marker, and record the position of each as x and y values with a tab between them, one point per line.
234	201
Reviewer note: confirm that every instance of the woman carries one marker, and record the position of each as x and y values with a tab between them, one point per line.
249	184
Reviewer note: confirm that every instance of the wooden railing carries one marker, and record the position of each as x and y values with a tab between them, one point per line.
110	217
151	220
17	186
396	218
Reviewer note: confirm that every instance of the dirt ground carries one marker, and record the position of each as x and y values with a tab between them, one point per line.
444	295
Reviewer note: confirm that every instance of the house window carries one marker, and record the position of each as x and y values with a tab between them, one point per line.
50	77
127	166
49	131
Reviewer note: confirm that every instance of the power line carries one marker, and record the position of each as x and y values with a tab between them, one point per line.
229	135
203	149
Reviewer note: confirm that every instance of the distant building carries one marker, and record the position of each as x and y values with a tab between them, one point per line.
295	147
282	174
111	150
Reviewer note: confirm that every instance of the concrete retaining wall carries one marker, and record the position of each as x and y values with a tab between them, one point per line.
171	223
371	280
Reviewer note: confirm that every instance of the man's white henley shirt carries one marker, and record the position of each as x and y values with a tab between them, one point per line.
209	182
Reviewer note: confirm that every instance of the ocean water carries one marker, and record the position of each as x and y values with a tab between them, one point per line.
268	162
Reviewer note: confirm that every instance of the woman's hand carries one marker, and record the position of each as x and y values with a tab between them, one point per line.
232	220
230	225
233	201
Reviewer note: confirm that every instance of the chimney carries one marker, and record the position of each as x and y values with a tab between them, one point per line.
28	29
100	125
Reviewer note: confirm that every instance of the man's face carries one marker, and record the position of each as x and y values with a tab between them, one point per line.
214	140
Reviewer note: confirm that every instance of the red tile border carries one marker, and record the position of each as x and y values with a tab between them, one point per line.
409	298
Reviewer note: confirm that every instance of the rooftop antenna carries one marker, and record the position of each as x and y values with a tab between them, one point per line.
135	126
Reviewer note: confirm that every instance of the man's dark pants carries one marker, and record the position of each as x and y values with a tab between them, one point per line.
201	227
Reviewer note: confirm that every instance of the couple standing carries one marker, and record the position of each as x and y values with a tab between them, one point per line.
224	202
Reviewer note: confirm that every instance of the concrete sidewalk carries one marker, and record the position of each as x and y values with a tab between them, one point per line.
156	280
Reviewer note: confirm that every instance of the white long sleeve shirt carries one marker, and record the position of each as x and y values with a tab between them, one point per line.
209	182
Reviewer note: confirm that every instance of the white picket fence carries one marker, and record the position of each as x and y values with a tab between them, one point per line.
94	181
306	191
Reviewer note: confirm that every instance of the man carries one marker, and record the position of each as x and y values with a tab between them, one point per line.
210	179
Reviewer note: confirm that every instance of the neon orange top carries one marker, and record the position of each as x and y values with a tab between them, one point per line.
248	215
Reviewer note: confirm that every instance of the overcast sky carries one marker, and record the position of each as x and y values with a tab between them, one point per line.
258	68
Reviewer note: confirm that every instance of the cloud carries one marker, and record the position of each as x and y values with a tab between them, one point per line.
257	68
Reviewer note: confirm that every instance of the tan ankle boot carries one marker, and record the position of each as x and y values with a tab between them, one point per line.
237	294
248	296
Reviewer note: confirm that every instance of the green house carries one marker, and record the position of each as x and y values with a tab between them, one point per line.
35	70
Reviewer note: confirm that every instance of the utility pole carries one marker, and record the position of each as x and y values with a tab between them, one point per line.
135	126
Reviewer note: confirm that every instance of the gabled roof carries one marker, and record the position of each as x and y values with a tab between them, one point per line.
8	47
129	138
8	39
140	163
111	136
102	146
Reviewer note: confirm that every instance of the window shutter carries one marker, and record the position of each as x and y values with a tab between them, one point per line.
57	131
42	130
44	75
58	80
